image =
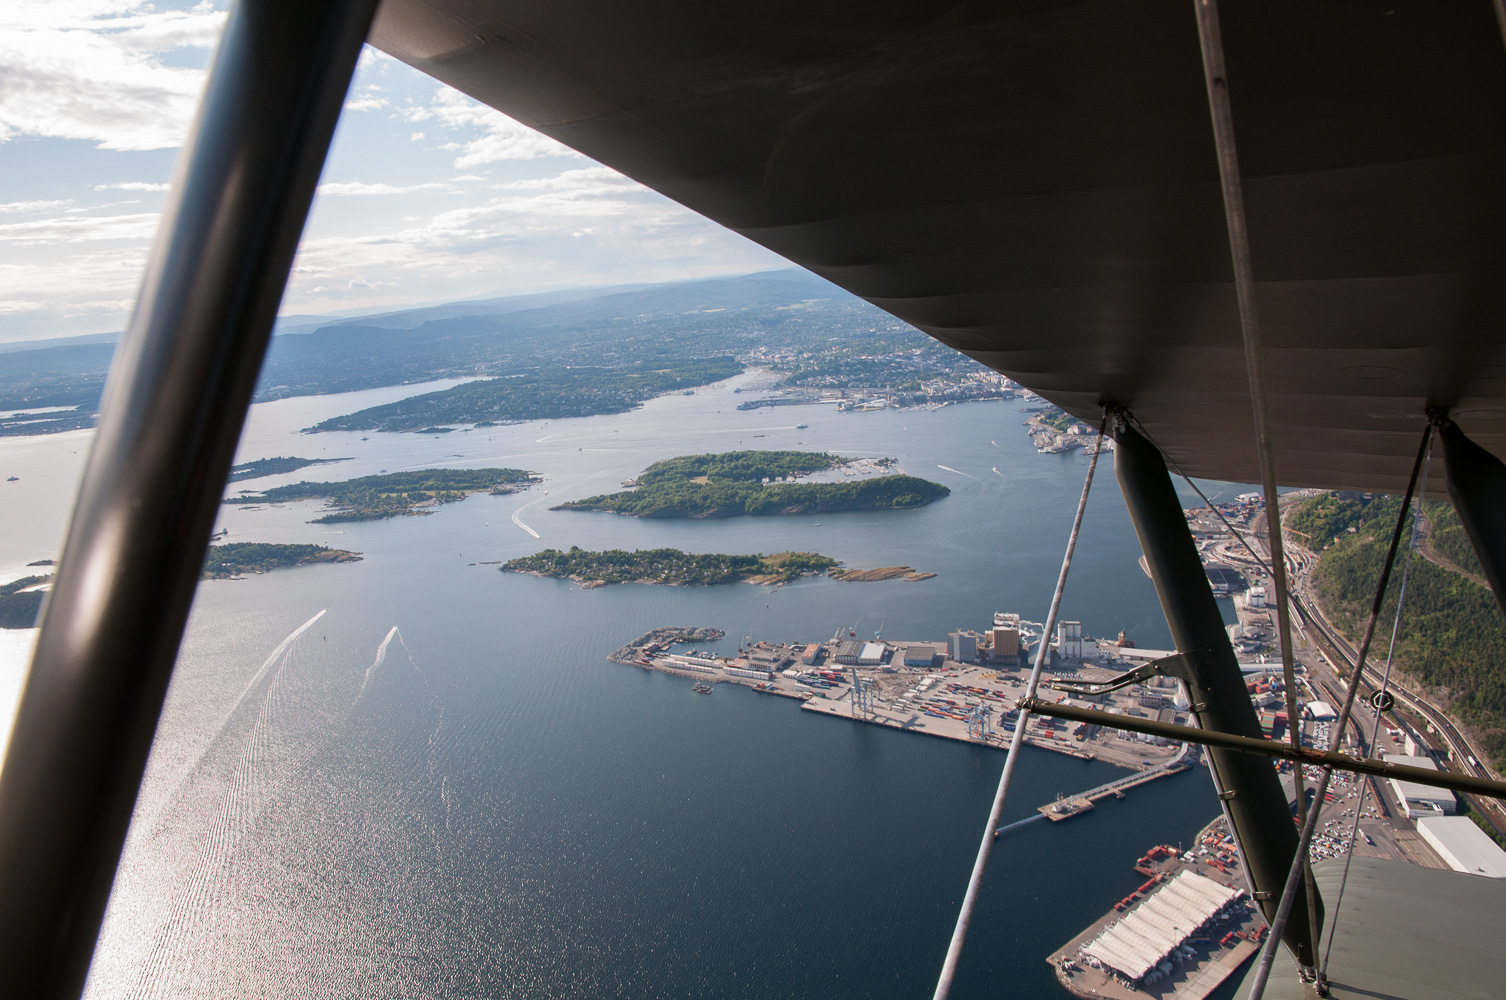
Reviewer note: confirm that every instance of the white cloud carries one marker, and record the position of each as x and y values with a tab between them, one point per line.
357	188
92	70
365	102
14	207
131	186
501	137
80	229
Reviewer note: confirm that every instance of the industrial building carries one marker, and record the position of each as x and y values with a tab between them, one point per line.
1224	580
847	652
1419	801
1465	846
1006	635
1069	642
920	656
872	654
962	646
1141	943
767	659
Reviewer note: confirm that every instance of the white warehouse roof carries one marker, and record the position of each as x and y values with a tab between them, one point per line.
1152	930
1411	791
1465	846
873	652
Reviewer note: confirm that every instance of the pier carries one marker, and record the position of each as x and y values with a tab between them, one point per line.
1065	808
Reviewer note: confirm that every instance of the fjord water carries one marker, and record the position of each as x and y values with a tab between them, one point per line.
416	776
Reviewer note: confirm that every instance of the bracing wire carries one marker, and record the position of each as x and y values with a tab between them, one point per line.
1385	686
1216	81
1300	860
975	881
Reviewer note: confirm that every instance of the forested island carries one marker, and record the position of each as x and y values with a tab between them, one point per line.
223	562
1452	637
577	391
20	605
394	494
758	483
668	566
275	466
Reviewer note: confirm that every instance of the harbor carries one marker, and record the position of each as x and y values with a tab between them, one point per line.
963	688
1188	927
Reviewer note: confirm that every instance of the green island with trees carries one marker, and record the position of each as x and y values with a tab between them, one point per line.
733	484
394	494
233	559
1452	638
275	466
668	566
575	391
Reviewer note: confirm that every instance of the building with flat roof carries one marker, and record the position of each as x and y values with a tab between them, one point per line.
811	654
920	656
872	654
1465	846
1417	800
847	651
963	646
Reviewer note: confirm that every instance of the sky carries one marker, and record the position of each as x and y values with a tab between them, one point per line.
427	196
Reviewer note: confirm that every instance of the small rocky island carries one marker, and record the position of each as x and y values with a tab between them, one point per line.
236	559
684	569
396	494
758	483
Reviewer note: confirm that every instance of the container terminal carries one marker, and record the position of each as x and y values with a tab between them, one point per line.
963	688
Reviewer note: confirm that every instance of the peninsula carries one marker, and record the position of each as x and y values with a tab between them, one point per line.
575	391
275	466
759	483
21	602
395	494
235	559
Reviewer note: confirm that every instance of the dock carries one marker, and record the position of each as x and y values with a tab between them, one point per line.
1065	808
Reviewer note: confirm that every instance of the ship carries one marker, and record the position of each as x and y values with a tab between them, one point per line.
702	688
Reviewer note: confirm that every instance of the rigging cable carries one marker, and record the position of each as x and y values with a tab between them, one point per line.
1359	809
1300	861
1259	559
1216	80
975	881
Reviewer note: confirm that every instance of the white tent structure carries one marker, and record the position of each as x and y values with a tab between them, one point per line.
1151	931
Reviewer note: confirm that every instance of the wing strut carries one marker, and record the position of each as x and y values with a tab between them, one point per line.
1216	80
172	413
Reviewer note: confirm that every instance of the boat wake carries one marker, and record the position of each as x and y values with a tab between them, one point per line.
519	521
381	654
247	763
959	472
